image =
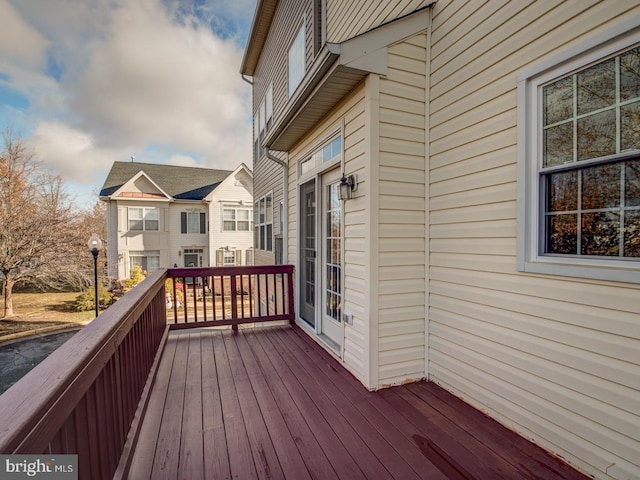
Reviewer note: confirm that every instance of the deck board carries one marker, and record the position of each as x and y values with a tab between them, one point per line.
271	403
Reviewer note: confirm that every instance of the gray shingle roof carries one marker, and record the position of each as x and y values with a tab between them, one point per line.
184	183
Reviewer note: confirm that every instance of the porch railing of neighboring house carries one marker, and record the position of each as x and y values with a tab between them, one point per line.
89	396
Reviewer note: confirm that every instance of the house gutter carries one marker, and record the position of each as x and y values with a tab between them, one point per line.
285	201
246	79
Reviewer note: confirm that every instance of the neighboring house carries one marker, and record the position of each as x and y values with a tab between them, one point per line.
493	242
165	216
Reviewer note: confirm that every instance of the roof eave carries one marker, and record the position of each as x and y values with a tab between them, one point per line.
262	17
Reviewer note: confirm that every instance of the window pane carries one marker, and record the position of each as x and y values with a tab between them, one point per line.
600	234
630	127
151	225
193	222
630	74
597	135
601	186
632	233
243	226
632	184
562	192
229	214
269	210
558	101
296	61
558	145
242	214
229	225
562	234
152	214
269	237
135	225
597	87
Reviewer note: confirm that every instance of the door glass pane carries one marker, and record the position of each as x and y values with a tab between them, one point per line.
333	267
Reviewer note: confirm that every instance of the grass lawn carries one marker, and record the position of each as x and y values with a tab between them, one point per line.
34	310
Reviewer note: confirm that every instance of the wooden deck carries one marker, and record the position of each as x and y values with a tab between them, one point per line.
270	403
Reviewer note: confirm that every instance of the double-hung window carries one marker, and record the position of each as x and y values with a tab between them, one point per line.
236	219
579	163
296	63
193	222
148	260
144	218
262	120
263	223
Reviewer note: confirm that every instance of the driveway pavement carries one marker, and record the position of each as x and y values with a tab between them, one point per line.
19	357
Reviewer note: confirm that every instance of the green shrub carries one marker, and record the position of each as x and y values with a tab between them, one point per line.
136	276
86	300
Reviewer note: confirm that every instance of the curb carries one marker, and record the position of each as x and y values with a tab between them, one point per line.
31	333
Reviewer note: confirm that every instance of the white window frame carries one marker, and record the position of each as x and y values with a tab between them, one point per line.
530	231
144	220
262	221
226	209
296	61
144	254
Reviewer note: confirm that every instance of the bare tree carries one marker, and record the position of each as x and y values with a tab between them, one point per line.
35	215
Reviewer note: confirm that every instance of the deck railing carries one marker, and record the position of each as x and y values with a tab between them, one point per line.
88	397
230	295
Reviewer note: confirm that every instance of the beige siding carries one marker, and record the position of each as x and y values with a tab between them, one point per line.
348	18
350	114
555	358
272	69
400	214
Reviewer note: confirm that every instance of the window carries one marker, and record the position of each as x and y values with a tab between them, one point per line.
144	219
193	257
262	120
148	260
193	222
263	223
236	219
579	158
331	151
296	62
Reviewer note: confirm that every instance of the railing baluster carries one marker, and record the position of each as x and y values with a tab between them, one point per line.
267	288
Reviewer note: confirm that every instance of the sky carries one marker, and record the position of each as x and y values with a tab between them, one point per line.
90	82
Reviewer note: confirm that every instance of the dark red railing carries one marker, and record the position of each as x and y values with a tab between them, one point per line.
83	398
230	295
89	396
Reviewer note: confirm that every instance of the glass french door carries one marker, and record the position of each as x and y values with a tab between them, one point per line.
320	280
308	251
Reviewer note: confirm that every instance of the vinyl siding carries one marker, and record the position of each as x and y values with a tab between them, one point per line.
400	214
233	190
272	70
348	18
555	358
350	114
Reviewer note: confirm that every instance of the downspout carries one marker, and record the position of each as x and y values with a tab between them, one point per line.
285	202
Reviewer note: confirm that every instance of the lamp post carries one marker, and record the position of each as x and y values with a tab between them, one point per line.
95	244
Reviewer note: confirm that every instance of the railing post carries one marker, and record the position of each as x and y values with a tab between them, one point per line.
234	303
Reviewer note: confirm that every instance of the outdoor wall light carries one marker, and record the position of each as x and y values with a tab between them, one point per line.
348	185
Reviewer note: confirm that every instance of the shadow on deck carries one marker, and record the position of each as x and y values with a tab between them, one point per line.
270	403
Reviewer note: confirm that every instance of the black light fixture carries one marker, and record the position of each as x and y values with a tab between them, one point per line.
348	185
95	244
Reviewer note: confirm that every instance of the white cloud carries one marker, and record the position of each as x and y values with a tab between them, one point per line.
21	45
109	78
70	152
